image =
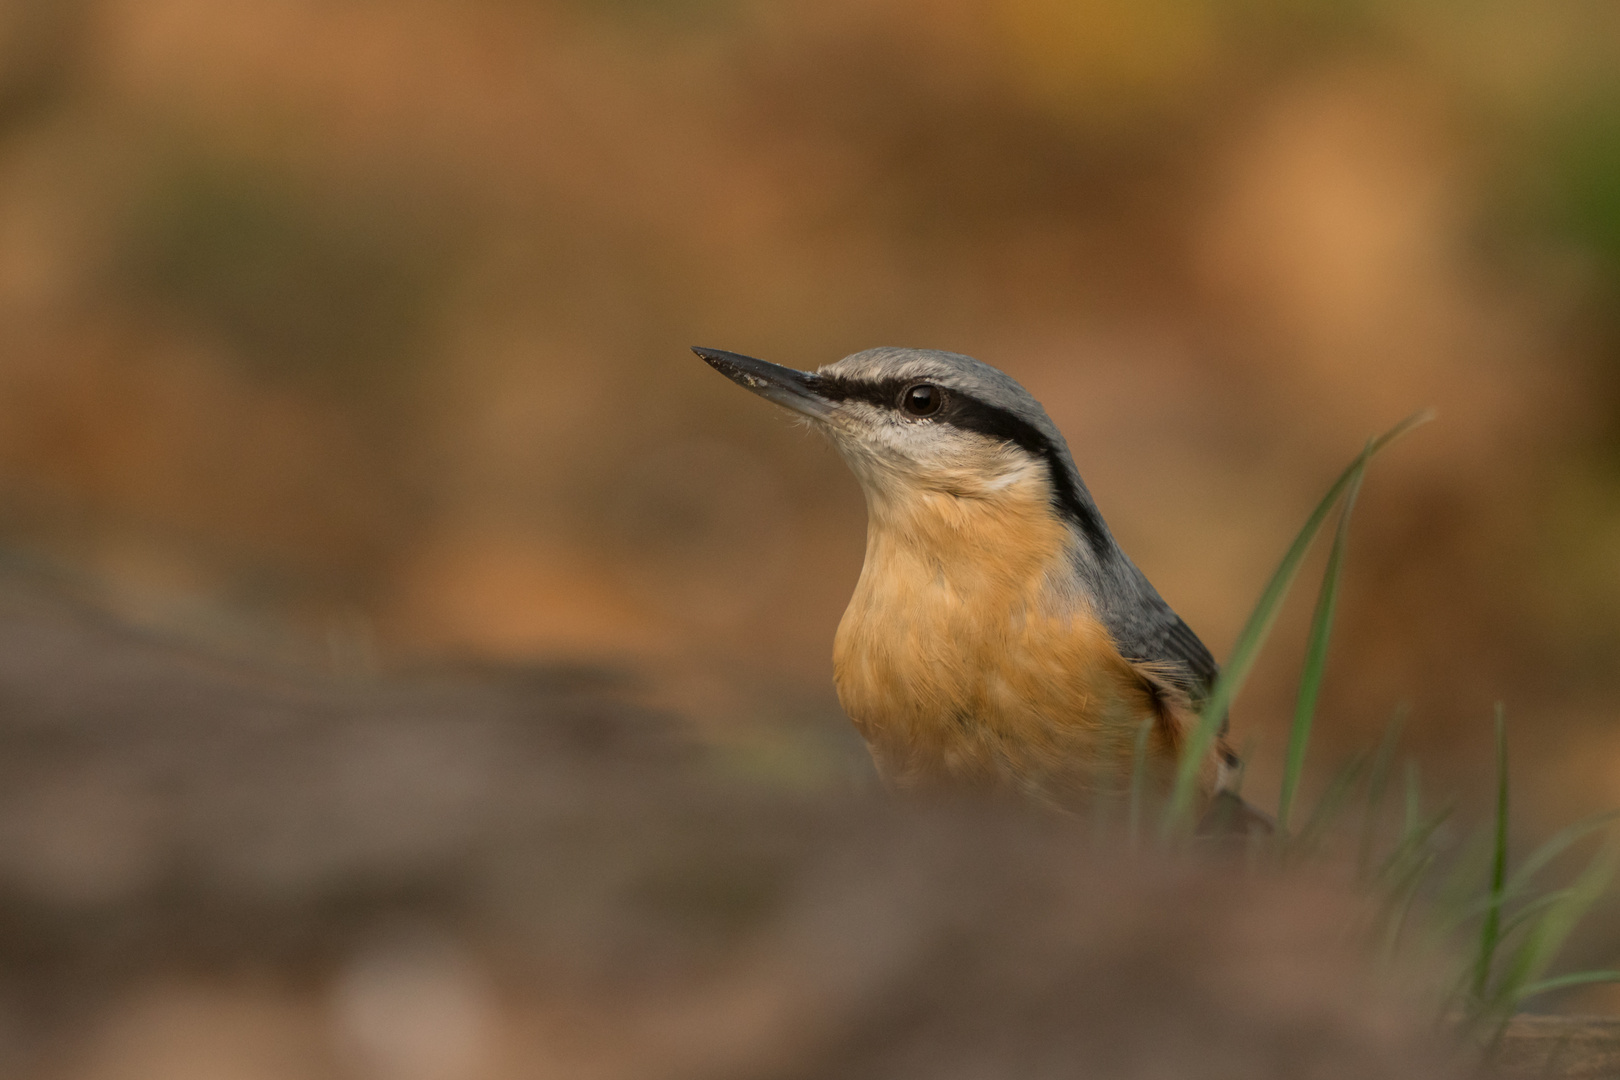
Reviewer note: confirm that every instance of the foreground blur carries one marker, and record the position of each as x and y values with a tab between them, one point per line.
207	871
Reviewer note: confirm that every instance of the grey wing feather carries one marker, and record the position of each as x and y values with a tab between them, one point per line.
1165	639
1145	629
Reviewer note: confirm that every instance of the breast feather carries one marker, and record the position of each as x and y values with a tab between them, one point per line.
963	656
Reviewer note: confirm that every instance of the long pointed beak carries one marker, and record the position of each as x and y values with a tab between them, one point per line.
788	387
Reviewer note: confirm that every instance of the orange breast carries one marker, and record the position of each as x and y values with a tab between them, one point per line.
966	659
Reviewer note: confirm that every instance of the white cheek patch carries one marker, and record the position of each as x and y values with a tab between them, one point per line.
895	458
1017	469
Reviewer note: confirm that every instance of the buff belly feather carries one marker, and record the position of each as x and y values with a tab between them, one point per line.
963	664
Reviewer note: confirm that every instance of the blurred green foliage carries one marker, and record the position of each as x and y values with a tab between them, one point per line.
1586	164
330	293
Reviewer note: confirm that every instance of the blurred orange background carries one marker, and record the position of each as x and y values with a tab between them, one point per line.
354	333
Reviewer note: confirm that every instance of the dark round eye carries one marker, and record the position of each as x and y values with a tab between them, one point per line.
924	399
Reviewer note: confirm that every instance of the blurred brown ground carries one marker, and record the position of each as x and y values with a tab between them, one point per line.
210	871
350	336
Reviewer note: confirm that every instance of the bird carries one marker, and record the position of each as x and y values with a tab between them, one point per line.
998	640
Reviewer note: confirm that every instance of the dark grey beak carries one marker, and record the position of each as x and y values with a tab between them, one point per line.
789	388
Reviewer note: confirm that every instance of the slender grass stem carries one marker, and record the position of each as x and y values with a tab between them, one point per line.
1179	811
1532	908
1557	845
1490	929
1377	779
1564	982
1327	810
1414	800
1310	679
1546	936
1400	901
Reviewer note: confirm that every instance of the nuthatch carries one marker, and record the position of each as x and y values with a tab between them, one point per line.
998	638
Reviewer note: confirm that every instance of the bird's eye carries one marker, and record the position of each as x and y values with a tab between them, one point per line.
924	399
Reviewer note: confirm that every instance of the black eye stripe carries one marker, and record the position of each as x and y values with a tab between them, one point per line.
968	413
882	394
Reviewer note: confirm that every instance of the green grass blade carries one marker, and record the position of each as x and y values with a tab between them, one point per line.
1316	647
1547	936
1490	929
1463	912
1563	982
1552	848
1532	908
1377	780
1399	903
1414	799
1328	808
1458	900
1414	845
1253	636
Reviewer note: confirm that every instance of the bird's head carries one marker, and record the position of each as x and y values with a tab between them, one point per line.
917	423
